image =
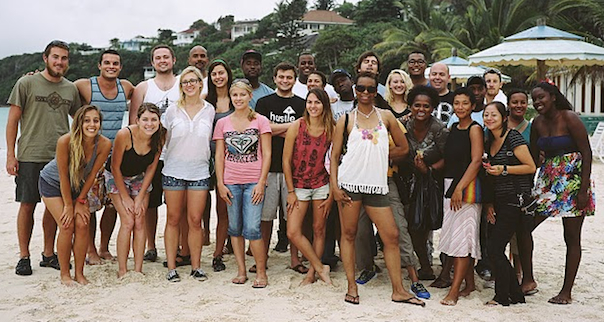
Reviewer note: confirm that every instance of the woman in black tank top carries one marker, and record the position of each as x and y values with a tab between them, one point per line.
128	178
80	155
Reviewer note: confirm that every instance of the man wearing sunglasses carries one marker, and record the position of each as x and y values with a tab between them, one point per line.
163	91
492	77
39	105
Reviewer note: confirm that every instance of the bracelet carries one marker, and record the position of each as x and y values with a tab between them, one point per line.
82	200
291	191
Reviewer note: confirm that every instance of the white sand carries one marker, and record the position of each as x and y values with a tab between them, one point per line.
41	297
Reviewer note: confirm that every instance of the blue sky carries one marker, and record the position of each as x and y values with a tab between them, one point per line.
28	25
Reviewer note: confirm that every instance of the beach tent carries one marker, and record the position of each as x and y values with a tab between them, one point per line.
543	47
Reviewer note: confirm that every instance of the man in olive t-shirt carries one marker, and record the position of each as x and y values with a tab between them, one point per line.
40	105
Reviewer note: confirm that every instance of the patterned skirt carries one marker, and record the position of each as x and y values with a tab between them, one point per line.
557	186
460	235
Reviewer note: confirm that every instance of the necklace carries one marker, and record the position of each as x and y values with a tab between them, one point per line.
366	115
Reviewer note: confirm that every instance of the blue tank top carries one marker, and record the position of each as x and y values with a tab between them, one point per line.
50	172
112	109
557	145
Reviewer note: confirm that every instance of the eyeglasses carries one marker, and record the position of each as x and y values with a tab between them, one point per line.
369	89
418	62
193	81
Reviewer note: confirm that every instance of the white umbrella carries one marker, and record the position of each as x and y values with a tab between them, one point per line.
541	46
461	70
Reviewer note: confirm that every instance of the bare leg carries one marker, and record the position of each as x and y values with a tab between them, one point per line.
124	235
221	227
184	231
260	259
93	256
349	218
174	203
49	226
469	278
80	245
266	229
107	225
139	237
196	203
572	238
64	242
444	279
461	266
25	226
151	227
238	249
384	220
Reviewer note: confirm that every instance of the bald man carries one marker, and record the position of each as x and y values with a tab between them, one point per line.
198	57
439	80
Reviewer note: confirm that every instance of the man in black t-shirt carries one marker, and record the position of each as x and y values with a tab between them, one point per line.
281	109
439	80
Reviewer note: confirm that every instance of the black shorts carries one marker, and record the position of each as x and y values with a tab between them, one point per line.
156	195
27	182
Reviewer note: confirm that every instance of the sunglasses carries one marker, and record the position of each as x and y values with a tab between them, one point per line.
369	89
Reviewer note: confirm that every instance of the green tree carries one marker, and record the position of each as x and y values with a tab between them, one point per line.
324	4
288	16
370	11
346	9
165	36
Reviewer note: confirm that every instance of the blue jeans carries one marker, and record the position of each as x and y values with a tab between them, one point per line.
244	217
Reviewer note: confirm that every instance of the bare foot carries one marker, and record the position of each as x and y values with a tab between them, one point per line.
561	299
68	281
121	274
241	279
449	301
307	280
467	290
441	283
93	259
106	255
82	280
324	274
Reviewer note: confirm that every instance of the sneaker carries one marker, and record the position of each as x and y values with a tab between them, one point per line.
281	246
51	261
420	291
199	275
150	255
366	276
173	276
23	266
489	284
218	264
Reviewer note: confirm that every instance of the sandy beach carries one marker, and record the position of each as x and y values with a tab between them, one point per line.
150	297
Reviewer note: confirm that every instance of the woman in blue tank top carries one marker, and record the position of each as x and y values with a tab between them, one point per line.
65	182
128	176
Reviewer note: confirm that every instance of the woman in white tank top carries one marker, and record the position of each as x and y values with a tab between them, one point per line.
361	181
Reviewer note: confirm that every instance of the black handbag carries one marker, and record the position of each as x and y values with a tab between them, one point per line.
426	205
524	200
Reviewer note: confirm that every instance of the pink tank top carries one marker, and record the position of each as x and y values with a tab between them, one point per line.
308	161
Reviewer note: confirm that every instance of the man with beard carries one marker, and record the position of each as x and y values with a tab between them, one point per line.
439	80
198	57
39	104
370	62
478	87
162	90
416	67
306	65
111	96
251	65
492	78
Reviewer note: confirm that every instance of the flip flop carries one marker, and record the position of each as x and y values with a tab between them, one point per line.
300	268
531	292
239	280
258	283
351	299
410	301
556	300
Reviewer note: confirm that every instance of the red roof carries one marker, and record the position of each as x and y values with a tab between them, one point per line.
325	16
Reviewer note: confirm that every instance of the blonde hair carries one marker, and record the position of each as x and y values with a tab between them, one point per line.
327	116
191	69
245	85
406	79
77	157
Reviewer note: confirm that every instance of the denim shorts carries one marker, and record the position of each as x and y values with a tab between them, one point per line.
133	184
244	217
320	193
171	183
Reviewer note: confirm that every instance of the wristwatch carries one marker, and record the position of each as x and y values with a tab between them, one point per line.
505	170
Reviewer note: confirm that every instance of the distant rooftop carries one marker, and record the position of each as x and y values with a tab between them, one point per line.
325	16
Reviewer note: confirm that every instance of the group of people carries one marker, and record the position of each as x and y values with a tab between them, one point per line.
330	157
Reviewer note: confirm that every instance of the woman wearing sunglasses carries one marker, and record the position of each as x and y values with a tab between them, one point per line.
360	180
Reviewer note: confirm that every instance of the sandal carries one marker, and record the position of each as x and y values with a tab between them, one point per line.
218	264
151	255
180	260
351	299
412	300
239	280
260	283
300	268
